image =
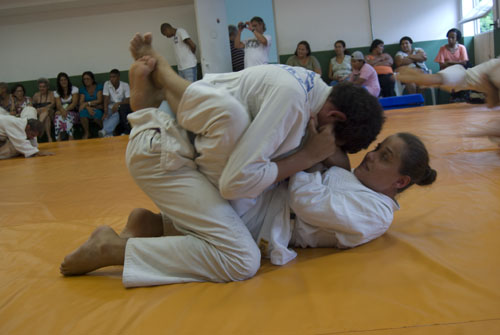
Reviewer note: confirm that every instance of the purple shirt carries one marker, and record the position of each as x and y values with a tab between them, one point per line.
368	73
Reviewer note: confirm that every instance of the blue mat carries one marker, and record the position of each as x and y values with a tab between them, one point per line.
403	101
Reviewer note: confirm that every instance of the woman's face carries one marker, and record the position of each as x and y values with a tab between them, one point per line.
379	170
63	81
379	49
452	39
42	87
356	64
406	46
301	51
87	80
339	49
19	93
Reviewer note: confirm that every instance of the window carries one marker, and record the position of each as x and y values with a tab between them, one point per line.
477	16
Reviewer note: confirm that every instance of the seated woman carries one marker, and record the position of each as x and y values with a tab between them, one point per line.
90	102
410	57
382	63
363	74
340	65
19	100
67	106
304	59
5	99
44	102
451	54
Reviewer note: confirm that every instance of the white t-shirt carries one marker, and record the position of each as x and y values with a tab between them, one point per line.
116	94
255	52
13	137
69	99
183	54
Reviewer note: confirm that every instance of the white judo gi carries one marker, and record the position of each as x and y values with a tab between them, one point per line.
13	140
458	78
332	209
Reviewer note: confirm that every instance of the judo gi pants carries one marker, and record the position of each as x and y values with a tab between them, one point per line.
216	247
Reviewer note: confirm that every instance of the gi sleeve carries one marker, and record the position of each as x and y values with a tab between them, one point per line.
355	216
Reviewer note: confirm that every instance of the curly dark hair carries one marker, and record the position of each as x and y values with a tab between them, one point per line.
364	113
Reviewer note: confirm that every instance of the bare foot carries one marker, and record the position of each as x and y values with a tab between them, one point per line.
143	93
103	248
141	46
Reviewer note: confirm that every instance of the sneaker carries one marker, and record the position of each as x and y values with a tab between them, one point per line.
101	133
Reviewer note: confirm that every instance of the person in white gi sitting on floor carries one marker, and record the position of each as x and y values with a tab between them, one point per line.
216	245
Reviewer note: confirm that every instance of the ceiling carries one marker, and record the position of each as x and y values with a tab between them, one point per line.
24	11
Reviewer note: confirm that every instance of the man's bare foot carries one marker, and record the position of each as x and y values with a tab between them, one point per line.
140	46
103	248
143	93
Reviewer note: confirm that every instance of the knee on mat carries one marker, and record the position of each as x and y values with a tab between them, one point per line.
248	264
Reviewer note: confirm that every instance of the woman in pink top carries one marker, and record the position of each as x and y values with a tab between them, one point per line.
452	53
364	74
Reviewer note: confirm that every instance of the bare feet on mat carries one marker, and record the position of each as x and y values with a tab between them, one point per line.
103	248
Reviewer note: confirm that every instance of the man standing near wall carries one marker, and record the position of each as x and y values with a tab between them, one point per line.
184	51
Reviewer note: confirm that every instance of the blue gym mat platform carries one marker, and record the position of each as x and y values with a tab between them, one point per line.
403	101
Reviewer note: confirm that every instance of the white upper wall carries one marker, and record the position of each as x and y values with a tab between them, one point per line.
422	20
97	43
322	22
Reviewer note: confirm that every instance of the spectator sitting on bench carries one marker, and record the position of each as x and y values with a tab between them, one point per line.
116	93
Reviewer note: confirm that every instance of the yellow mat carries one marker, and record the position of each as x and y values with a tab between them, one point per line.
436	271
